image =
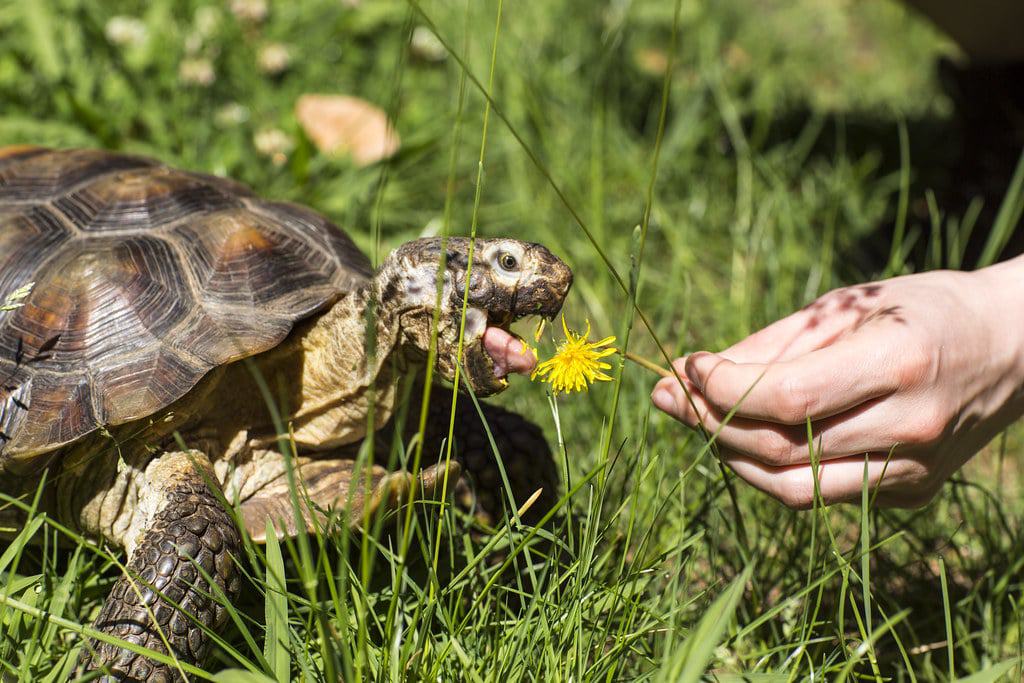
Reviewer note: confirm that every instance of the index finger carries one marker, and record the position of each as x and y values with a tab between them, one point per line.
812	327
817	385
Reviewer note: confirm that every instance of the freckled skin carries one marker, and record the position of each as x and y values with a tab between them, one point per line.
152	286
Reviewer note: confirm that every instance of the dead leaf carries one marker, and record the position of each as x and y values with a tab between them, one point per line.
651	61
340	124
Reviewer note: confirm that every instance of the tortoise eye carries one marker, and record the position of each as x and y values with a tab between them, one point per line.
507	261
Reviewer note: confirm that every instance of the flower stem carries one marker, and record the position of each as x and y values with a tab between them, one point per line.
644	363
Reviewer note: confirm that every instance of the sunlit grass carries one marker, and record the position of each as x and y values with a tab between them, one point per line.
711	188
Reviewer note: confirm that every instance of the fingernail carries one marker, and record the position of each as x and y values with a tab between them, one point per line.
697	366
664	400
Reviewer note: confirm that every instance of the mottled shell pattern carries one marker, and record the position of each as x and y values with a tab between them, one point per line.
145	278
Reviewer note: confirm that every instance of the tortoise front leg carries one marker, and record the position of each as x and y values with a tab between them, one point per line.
186	537
525	454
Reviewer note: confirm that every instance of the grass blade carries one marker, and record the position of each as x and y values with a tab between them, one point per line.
992	674
275	649
689	662
948	618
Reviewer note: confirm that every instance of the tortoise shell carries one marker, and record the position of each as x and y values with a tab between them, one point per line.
145	278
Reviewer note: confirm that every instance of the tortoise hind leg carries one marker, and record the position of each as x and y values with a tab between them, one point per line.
330	487
187	530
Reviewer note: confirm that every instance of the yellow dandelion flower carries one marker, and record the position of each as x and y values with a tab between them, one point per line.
577	363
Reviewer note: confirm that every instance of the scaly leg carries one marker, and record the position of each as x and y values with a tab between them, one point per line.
185	529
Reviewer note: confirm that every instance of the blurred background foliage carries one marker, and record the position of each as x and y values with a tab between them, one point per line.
778	179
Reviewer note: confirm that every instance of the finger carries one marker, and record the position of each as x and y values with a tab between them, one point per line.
813	327
753	438
820	384
670	395
875	426
767	442
838	481
785	339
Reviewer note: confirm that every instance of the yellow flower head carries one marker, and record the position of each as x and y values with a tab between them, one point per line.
577	362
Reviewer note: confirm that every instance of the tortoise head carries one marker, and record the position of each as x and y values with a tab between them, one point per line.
509	279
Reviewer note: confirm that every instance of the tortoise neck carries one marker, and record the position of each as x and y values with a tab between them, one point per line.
349	359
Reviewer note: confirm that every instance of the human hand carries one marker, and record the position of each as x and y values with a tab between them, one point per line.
928	365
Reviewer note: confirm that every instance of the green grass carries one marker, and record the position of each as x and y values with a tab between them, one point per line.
752	194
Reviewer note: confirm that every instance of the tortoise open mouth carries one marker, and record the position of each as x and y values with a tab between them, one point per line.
507	350
493	350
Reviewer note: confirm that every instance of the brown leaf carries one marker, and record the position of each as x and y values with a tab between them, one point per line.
651	61
340	124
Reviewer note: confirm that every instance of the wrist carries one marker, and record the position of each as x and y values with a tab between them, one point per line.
1002	287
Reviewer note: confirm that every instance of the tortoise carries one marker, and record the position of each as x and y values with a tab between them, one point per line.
165	303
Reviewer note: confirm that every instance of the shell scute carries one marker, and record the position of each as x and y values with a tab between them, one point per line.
42	174
25	238
134	384
313	227
141	199
146	279
242	259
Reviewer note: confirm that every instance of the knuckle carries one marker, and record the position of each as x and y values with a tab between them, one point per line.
932	481
777	450
796	489
918	477
795	401
915	485
929	493
927	427
833	300
915	365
